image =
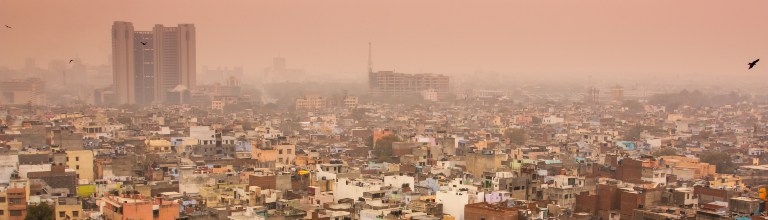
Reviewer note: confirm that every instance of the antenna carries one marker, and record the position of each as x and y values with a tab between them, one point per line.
370	58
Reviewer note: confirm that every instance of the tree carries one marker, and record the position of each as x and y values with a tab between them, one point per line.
721	159
633	134
704	135
516	136
124	120
383	148
41	211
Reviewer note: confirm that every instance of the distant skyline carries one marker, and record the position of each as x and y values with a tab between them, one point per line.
450	37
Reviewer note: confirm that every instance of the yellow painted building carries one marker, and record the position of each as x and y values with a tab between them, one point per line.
728	181
81	161
222	194
286	154
264	155
158	146
68	208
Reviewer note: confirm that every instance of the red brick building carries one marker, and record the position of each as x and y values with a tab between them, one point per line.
486	211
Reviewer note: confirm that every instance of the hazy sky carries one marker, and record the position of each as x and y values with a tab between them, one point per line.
441	36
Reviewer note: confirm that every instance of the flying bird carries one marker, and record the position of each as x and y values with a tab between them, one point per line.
143	43
70	61
753	63
6	26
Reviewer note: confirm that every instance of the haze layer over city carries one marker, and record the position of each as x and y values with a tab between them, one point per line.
349	109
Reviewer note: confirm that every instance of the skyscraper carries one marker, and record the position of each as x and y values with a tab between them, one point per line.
155	66
175	70
144	55
123	74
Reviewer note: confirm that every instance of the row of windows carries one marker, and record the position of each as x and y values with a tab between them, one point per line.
63	214
12	212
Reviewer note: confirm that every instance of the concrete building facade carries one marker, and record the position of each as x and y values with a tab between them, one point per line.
390	83
155	66
81	161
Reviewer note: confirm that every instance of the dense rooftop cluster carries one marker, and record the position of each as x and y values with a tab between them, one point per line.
472	158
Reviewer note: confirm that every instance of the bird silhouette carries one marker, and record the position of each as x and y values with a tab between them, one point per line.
6	26
753	63
143	43
70	61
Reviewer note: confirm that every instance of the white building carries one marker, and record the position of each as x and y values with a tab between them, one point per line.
398	182
456	195
429	95
353	189
8	164
24	169
552	120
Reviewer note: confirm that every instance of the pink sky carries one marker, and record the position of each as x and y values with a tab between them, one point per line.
441	36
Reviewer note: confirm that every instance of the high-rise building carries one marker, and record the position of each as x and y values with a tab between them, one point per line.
144	66
391	83
22	92
175	69
155	66
593	95
617	93
311	102
280	71
123	62
221	74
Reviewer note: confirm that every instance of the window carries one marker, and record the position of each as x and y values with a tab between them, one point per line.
2	212
15	213
280	151
77	167
77	158
2	199
62	214
14	201
75	213
289	151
